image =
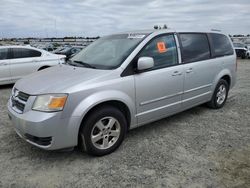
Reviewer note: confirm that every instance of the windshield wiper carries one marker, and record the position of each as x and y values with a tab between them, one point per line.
70	62
85	64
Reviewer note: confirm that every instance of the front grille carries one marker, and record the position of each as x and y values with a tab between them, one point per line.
19	100
23	96
43	141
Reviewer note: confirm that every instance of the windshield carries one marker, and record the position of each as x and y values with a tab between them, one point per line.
59	49
108	52
65	49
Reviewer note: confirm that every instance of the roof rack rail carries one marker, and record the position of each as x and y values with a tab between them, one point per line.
160	27
216	30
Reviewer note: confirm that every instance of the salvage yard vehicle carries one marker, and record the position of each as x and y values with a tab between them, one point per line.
19	61
248	52
120	82
69	51
241	50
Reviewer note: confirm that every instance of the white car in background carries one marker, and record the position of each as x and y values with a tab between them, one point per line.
19	61
248	52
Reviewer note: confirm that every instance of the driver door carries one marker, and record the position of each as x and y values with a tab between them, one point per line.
159	89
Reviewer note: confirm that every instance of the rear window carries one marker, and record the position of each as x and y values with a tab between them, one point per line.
221	44
25	53
195	47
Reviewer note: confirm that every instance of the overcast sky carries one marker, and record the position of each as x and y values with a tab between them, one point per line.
42	18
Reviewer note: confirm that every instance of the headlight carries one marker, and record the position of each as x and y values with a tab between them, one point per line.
50	102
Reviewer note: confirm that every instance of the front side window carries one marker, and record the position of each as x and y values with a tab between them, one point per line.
195	47
107	52
221	44
163	50
24	53
3	53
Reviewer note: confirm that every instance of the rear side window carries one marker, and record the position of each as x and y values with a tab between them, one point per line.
25	53
35	53
221	45
3	53
195	47
163	50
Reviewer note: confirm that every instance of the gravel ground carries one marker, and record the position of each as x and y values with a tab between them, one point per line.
197	148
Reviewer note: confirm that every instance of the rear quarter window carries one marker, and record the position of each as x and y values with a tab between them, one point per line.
221	45
195	47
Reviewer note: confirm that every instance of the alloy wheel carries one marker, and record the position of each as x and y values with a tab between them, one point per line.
105	133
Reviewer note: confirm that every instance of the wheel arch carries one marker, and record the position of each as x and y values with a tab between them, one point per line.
115	98
227	78
115	103
43	67
224	74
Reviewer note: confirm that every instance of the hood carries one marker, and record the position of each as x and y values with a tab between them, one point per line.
57	79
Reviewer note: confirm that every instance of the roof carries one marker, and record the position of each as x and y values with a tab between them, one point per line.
170	31
27	47
18	46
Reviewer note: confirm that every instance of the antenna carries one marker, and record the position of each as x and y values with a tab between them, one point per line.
55	29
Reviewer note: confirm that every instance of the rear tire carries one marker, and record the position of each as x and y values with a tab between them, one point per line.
103	131
220	95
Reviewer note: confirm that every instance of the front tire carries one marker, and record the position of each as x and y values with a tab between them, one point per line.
220	95
103	131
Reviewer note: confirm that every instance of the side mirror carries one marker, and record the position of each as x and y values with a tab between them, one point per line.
145	63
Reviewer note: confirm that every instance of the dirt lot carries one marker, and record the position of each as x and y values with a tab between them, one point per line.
197	148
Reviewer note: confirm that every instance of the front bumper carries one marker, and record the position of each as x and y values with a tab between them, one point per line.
45	130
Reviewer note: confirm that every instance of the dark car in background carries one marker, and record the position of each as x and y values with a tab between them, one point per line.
240	49
69	51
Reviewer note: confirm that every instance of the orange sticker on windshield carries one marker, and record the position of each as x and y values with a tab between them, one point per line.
161	47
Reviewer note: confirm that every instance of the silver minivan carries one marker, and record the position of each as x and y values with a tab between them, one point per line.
120	82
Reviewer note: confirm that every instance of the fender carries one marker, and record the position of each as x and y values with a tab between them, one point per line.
103	96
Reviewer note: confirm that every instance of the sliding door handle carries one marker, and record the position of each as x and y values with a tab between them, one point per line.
177	73
189	70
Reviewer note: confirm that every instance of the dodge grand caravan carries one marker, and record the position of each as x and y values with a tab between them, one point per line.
120	82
